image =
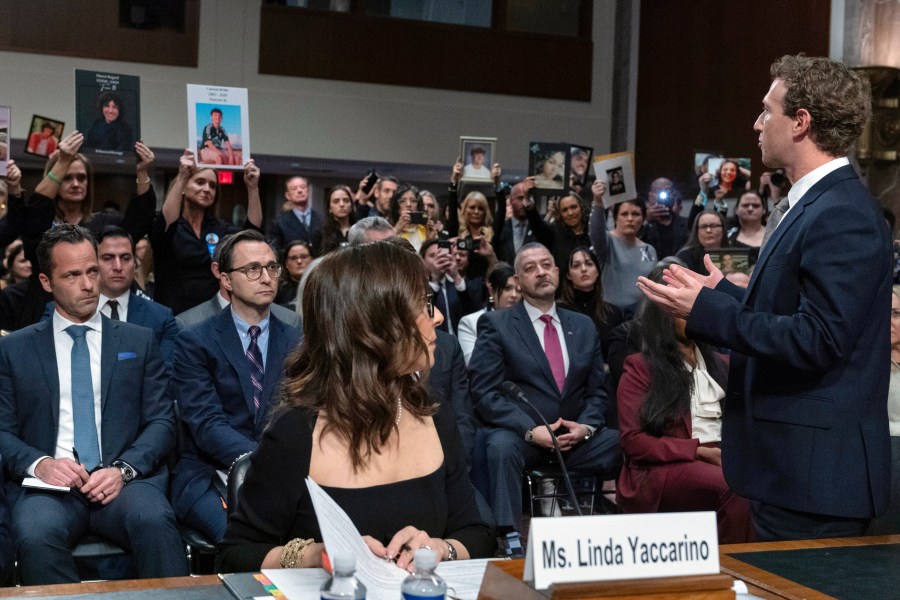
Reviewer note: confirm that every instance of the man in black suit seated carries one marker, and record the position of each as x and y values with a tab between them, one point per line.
554	356
84	406
227	371
300	222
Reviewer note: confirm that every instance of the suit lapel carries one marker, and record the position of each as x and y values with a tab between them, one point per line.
274	365
526	331
45	350
109	350
573	344
231	347
136	309
794	214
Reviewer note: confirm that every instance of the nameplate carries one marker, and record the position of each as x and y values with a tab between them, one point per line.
607	547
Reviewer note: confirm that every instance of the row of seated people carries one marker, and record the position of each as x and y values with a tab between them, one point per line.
577	402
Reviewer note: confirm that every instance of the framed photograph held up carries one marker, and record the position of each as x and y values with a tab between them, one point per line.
219	126
549	165
44	135
107	111
580	166
477	155
617	172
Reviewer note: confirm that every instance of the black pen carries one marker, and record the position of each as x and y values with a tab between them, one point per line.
75	454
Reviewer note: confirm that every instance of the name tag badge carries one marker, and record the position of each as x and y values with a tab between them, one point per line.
609	547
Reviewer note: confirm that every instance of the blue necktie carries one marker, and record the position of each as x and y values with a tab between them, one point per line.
255	361
86	442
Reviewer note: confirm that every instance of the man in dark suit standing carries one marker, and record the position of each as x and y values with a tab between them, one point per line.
227	371
118	301
525	226
300	221
84	406
553	355
805	432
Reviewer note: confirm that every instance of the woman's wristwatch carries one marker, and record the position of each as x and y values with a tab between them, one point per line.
451	550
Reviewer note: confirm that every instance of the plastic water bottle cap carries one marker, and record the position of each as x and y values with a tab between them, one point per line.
425	558
343	563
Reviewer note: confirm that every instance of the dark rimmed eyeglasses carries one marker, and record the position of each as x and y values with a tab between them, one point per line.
254	271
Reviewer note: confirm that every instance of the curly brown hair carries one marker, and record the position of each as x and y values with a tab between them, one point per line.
362	304
838	99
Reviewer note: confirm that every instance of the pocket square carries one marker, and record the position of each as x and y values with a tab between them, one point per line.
126	355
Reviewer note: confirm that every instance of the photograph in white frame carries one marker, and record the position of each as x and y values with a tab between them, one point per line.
218	126
617	172
477	155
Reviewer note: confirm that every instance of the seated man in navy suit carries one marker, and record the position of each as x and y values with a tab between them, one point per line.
300	221
554	356
84	406
118	301
227	371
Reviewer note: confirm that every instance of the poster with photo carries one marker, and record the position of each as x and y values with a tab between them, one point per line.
5	132
701	161
219	126
107	111
729	177
580	166
549	165
477	155
617	172
43	136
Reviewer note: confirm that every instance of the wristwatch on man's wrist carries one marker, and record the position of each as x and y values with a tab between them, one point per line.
128	472
529	436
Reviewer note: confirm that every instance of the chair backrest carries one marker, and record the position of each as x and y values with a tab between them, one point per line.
236	476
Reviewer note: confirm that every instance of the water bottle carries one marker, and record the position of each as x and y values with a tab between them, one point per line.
342	584
423	583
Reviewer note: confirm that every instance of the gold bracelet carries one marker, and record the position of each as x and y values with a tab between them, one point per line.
292	553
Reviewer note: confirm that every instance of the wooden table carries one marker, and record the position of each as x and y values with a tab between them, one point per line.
102	587
768	585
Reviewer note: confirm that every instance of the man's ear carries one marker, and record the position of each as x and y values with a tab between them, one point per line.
45	283
802	122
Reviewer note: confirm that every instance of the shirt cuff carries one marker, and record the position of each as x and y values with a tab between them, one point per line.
461	286
34	465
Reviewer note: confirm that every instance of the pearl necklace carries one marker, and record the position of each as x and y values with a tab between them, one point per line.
399	412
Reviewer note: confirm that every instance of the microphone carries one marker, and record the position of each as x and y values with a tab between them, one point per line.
511	390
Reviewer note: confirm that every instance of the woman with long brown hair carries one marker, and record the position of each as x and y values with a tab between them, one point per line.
356	417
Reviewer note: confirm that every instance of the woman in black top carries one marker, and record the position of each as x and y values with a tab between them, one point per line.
338	222
186	232
707	233
582	291
296	257
354	417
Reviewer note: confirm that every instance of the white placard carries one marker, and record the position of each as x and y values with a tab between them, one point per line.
607	547
218	126
617	172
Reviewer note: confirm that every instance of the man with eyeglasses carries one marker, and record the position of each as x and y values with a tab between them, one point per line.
227	370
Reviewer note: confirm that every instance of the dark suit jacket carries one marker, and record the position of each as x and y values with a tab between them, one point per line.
287	228
137	421
805	419
211	308
215	398
504	239
508	349
449	384
151	315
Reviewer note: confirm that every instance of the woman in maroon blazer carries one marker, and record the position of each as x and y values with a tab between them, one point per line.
670	422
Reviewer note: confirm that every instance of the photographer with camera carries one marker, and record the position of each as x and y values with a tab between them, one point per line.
373	196
409	218
665	229
452	296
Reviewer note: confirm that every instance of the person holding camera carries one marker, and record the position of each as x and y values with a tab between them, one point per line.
452	296
665	228
409	218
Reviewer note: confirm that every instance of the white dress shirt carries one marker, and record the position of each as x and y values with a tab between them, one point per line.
63	342
123	306
806	182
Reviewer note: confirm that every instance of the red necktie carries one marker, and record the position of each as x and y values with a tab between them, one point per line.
553	350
